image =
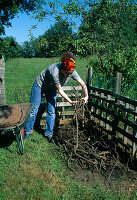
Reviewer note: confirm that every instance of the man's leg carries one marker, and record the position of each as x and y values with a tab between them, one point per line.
50	120
36	100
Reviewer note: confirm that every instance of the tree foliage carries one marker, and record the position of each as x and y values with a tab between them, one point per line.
53	42
59	37
10	47
108	31
8	10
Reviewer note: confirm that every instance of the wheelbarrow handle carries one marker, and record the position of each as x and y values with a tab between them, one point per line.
20	142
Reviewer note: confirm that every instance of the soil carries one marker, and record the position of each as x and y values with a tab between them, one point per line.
104	161
118	182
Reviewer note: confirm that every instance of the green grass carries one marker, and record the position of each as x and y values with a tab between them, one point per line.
21	74
40	174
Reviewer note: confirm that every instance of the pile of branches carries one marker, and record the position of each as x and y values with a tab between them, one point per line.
86	145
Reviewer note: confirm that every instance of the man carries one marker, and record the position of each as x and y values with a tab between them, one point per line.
48	82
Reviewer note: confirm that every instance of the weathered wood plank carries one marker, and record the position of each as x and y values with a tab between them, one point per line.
100	90
60	104
120	130
67	113
2	81
112	101
69	95
135	135
68	88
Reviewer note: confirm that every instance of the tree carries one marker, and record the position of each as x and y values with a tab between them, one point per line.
27	49
57	39
110	27
10	47
8	10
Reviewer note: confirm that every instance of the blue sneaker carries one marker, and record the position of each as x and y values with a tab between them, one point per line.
50	139
27	135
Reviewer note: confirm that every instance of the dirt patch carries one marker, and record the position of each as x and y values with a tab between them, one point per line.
123	182
92	157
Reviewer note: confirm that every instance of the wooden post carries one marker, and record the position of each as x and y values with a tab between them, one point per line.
2	81
118	91
101	104
89	83
63	109
96	109
89	77
118	83
126	126
0	85
135	135
107	115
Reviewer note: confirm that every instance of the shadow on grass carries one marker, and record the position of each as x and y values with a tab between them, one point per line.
37	125
6	139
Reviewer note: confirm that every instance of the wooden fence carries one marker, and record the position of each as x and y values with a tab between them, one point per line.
2	81
116	114
64	110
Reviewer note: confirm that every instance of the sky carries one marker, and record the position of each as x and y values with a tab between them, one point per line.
21	25
23	22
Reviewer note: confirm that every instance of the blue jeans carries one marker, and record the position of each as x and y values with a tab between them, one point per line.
36	94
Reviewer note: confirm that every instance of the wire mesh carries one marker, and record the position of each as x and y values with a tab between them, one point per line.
128	88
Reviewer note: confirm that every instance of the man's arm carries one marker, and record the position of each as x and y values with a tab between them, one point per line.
64	95
84	87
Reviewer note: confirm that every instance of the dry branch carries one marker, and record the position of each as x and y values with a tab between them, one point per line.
85	145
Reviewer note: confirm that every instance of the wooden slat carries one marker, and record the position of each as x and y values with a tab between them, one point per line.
60	104
135	135
117	96
102	98
115	115
120	130
67	113
126	126
68	88
69	95
107	115
126	99
100	90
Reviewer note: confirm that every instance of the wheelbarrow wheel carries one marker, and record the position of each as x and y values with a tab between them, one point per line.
19	139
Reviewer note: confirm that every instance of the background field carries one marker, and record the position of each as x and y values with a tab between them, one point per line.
21	73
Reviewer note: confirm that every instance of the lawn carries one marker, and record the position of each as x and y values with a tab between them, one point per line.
41	173
21	73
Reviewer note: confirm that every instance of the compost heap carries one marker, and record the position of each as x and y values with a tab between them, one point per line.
87	146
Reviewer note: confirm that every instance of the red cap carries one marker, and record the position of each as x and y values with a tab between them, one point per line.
69	65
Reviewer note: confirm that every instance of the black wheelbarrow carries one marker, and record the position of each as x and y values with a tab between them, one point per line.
13	119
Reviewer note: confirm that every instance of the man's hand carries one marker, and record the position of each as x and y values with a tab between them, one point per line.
73	102
85	99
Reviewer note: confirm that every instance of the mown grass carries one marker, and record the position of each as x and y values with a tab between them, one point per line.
41	173
21	74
